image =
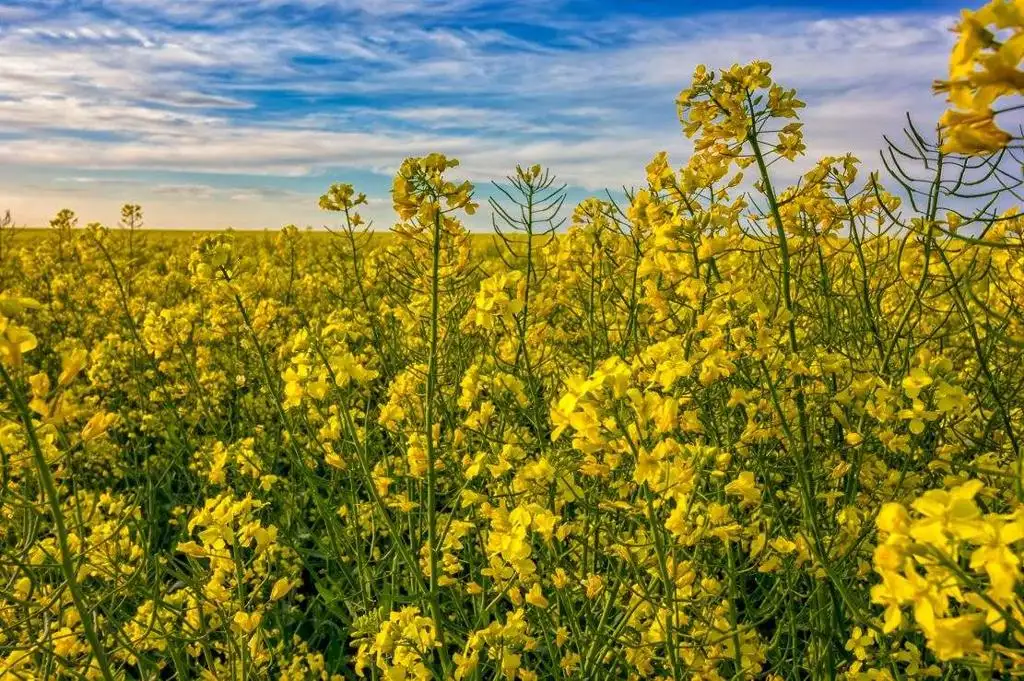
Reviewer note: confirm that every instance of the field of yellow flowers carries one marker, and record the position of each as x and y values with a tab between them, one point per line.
725	429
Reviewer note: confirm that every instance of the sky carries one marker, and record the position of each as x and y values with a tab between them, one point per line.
240	113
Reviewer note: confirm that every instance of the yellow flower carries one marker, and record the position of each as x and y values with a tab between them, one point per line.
972	133
948	515
98	425
246	622
893	518
953	637
535	596
648	465
782	545
15	341
190	548
594	585
14	305
918	380
745	487
71	365
997	557
510	662
280	589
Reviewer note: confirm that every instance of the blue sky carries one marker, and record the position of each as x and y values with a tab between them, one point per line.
239	113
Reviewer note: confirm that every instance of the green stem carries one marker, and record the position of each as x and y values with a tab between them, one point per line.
428	418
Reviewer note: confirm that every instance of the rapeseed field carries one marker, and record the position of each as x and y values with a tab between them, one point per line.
723	429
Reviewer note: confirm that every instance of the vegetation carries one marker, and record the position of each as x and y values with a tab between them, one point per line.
727	429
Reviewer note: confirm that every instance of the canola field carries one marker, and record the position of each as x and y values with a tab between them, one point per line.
730	428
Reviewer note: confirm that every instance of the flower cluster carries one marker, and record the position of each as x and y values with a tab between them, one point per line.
984	71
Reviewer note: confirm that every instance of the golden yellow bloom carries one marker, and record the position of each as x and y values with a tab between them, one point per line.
246	622
745	487
71	364
535	596
972	132
15	341
98	425
280	589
